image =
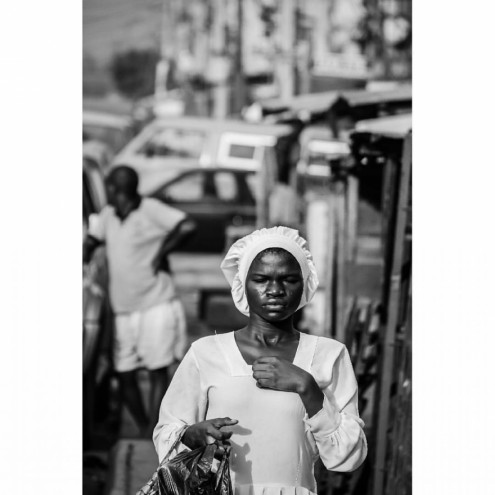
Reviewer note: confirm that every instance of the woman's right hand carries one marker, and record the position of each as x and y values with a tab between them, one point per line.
206	432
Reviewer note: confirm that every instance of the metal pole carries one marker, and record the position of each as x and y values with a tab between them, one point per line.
330	310
220	91
352	203
166	43
238	82
341	241
285	62
302	48
386	370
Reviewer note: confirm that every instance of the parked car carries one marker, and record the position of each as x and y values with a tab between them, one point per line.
98	152
94	192
215	198
168	146
97	318
115	131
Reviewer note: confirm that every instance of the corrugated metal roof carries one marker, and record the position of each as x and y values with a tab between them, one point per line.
358	97
223	124
316	102
395	126
312	102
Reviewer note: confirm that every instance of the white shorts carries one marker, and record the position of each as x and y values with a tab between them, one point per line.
152	338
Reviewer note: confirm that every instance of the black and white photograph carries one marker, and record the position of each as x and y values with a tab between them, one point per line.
247	247
244	276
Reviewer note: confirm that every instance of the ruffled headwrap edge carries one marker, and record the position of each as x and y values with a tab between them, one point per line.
241	254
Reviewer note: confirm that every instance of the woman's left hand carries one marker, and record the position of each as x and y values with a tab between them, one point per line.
279	374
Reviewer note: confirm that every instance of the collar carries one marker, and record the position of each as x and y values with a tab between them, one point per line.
238	366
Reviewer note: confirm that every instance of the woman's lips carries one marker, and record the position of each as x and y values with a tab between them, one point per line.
274	306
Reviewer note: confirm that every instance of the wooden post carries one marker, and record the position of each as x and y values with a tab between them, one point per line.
219	62
262	200
401	431
352	200
351	318
389	219
168	48
239	89
329	316
388	351
285	61
267	175
387	181
340	285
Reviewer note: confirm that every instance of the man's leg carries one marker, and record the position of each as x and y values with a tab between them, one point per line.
126	363
156	343
159	380
131	397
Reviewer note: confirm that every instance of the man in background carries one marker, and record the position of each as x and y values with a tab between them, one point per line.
150	329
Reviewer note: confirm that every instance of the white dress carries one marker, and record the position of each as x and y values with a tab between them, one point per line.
275	444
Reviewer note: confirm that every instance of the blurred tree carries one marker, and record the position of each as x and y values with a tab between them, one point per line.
96	80
134	71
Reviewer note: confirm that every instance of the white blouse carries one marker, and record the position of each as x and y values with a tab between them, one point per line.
275	444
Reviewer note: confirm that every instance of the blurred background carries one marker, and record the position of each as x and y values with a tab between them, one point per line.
247	114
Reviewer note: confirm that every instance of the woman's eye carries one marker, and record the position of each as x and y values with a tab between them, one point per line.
293	280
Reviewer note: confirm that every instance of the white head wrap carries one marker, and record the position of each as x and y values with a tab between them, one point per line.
238	259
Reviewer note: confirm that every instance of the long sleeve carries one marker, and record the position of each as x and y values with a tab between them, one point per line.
337	428
184	404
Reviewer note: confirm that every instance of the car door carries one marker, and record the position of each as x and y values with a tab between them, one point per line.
235	190
95	276
97	315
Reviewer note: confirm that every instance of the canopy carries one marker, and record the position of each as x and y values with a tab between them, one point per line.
321	102
394	126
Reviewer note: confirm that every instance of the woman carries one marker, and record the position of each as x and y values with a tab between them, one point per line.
281	398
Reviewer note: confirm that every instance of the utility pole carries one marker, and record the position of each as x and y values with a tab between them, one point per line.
167	48
303	48
219	64
239	90
284	60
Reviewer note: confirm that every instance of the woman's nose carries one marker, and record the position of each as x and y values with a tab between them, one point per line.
275	288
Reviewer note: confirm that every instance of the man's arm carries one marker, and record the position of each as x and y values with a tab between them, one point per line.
182	231
89	246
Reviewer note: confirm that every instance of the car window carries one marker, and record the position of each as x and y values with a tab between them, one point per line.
184	143
241	151
185	190
226	186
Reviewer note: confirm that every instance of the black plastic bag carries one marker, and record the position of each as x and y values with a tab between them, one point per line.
190	473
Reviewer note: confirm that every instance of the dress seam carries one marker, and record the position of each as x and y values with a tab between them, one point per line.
193	355
299	465
317	340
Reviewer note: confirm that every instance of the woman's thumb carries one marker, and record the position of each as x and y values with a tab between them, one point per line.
228	421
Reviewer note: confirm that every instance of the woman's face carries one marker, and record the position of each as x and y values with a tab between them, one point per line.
274	285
